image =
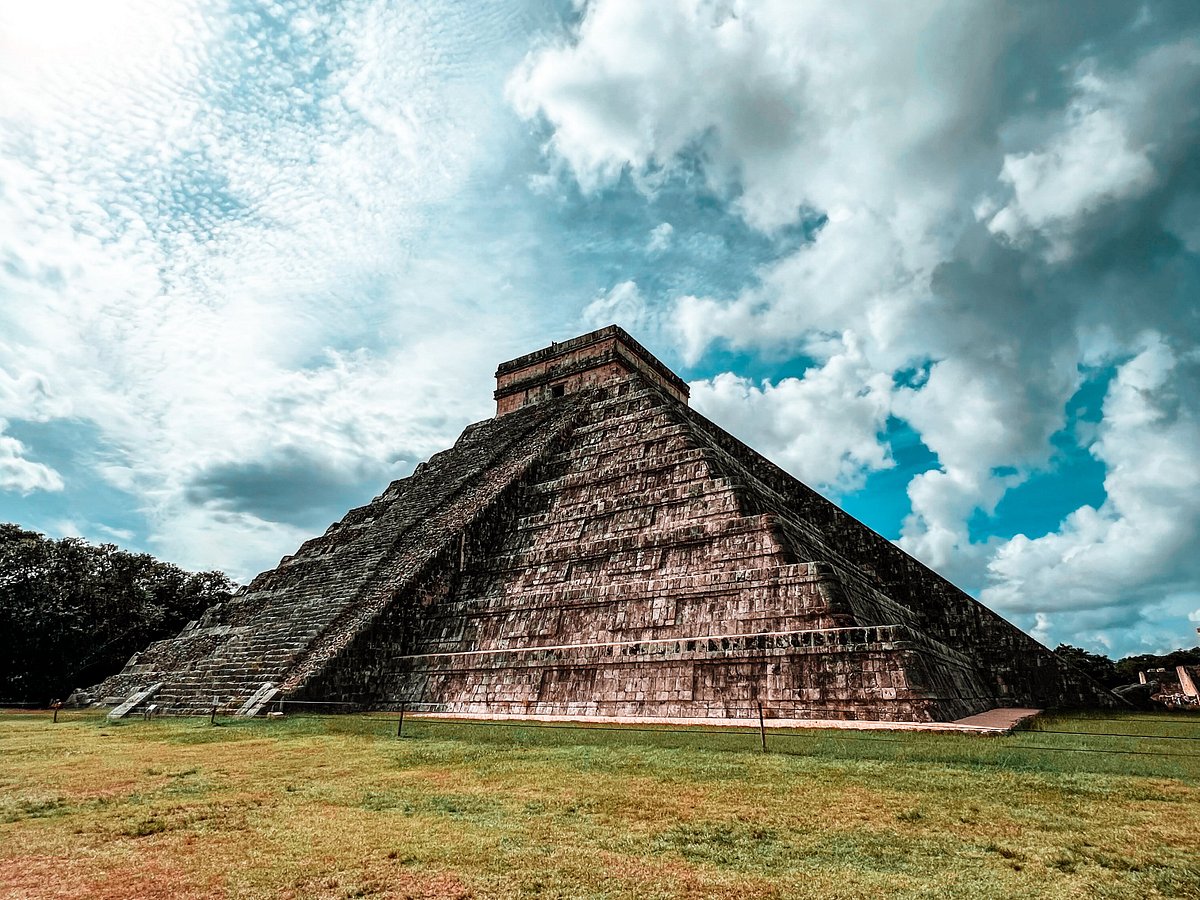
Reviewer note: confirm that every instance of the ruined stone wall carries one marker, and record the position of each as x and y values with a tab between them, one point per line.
588	361
626	579
856	673
609	552
568	378
1020	671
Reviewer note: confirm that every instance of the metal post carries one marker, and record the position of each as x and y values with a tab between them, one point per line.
212	719
56	706
762	729
400	724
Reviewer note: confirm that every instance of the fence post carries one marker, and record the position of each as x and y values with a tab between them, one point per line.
400	724
57	706
212	717
762	729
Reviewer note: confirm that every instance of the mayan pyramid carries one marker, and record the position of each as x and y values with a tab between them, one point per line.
598	548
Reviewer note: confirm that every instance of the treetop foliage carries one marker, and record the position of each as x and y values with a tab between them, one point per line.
72	613
1125	671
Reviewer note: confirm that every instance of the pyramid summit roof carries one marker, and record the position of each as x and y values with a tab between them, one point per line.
582	362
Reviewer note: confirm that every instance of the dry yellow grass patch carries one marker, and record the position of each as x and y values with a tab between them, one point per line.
340	808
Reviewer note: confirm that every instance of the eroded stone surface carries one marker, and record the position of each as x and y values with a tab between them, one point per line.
606	552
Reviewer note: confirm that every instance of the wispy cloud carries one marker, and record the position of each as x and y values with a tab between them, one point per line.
224	244
257	259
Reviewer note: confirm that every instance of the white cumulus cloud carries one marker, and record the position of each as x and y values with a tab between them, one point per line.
20	474
1006	191
793	423
1150	521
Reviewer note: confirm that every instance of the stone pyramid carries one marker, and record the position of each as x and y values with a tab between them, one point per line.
600	549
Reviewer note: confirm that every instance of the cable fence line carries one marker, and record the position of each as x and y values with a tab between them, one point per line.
278	705
741	730
1170	717
434	711
812	734
1121	734
441	716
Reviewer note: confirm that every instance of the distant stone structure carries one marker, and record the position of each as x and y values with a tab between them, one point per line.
1188	676
1174	688
598	548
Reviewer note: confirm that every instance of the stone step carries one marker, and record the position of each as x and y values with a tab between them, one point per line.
733	539
133	701
633	510
258	700
854	639
673	584
604	468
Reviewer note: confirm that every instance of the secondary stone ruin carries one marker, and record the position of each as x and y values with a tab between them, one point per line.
1174	688
600	549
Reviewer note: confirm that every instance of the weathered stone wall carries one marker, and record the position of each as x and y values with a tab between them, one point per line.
1019	670
588	361
852	673
634	564
880	673
611	552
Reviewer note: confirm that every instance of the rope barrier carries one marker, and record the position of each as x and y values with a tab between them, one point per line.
1144	737
828	734
736	728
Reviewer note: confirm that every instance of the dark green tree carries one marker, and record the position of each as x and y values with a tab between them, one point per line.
1099	667
1129	667
1125	671
71	613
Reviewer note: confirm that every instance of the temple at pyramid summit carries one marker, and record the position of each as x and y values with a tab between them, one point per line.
600	549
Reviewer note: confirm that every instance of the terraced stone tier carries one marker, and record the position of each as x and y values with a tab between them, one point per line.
604	552
825	673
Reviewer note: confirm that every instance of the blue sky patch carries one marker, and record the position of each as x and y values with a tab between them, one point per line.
256	260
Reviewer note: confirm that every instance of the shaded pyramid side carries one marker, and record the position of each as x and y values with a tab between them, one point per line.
883	583
633	575
288	621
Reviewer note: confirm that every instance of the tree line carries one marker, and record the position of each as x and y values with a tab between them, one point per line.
72	613
1114	673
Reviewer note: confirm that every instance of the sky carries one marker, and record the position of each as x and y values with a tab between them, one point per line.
939	260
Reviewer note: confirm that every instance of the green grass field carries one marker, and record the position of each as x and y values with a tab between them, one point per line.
339	807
